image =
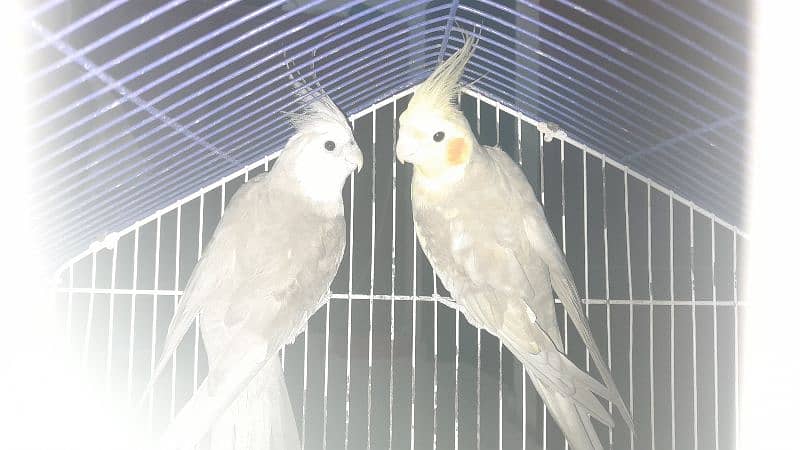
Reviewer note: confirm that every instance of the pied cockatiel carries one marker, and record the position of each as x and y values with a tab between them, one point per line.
486	235
266	269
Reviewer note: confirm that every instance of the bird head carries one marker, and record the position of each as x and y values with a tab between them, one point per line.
434	135
323	152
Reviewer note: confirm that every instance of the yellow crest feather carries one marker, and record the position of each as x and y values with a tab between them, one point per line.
439	90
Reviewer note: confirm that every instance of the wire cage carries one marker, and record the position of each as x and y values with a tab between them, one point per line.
153	114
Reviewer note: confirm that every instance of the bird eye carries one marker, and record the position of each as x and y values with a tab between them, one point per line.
330	146
438	136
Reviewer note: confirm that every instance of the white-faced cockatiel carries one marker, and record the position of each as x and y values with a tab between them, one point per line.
486	235
266	269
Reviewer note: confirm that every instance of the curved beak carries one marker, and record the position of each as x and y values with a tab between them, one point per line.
404	152
355	158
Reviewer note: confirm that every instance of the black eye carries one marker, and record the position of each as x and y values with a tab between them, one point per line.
438	136
330	146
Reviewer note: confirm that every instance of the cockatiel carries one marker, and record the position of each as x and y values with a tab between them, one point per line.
479	223
266	269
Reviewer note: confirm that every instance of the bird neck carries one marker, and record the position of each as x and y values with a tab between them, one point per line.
322	190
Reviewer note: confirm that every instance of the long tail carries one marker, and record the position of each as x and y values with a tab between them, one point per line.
564	286
572	403
575	422
260	418
252	413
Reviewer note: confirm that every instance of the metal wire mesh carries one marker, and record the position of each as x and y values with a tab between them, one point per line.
140	103
390	363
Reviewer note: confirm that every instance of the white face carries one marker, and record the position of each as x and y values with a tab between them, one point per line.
324	158
433	143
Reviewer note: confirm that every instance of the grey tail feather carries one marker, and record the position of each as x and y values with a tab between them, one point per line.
575	423
605	373
261	417
574	412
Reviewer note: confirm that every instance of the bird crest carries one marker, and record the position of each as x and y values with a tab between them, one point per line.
317	106
438	92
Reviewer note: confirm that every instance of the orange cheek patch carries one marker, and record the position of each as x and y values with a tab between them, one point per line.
457	151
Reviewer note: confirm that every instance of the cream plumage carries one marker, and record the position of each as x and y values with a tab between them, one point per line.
486	235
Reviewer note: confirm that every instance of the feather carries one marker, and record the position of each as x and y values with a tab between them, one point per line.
546	246
486	236
317	108
267	268
438	92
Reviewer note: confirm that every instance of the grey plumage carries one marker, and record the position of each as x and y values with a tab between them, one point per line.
266	269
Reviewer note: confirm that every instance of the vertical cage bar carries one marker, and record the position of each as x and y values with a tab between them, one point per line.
196	355
458	340
71	285
630	297
522	367
413	297
497	124
88	331
650	297
392	299
694	324
110	344
305	388
154	328
222	201
607	294
478	372
175	303
564	249
458	351
672	314
372	296
585	249
736	342
326	371
435	362
349	313
499	340
541	190
133	312
435	342
716	343
564	237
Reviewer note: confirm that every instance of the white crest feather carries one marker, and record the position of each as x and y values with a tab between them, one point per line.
439	91
318	109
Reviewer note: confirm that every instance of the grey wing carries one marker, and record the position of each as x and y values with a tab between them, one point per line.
267	308
214	273
546	249
303	259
